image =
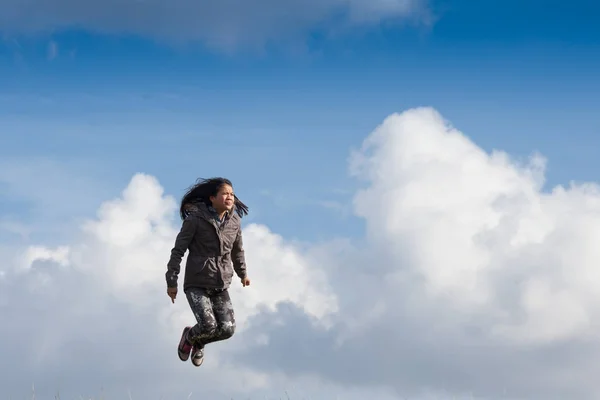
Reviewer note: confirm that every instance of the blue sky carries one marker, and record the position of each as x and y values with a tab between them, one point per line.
280	121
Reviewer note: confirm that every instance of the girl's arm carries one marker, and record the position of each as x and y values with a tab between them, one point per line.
238	256
182	242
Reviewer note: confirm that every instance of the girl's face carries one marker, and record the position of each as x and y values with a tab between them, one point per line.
224	199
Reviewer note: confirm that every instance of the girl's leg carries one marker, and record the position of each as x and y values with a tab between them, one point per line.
201	305
214	313
223	313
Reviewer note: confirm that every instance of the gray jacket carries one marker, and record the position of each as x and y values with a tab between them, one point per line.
215	250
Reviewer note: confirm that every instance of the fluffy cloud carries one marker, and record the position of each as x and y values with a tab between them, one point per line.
479	232
471	279
223	24
101	302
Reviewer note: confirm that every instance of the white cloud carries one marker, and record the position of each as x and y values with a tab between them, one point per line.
59	255
116	270
470	277
470	280
129	243
475	221
226	24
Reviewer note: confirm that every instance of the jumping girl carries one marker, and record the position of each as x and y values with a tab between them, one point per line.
212	233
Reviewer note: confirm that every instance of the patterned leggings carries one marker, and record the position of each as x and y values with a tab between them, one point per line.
214	313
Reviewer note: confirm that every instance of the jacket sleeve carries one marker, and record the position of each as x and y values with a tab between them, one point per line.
182	242
238	256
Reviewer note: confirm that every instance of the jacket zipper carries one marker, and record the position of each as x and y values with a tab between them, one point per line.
218	259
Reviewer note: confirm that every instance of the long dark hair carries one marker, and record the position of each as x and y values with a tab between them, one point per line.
201	191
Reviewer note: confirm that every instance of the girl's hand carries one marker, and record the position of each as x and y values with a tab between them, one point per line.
246	282
172	293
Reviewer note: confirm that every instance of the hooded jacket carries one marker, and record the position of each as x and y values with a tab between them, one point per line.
215	249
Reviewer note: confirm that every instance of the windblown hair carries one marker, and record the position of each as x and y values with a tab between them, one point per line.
201	191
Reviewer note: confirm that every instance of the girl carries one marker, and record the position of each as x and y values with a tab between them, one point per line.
212	233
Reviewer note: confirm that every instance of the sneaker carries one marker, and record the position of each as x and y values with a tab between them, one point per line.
197	356
185	347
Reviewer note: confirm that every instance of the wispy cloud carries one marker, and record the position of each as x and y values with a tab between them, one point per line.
226	25
52	51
